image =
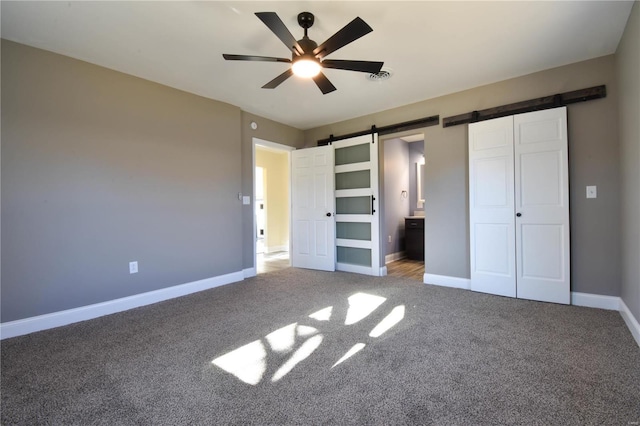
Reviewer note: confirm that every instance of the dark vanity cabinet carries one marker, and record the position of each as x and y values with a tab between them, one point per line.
414	237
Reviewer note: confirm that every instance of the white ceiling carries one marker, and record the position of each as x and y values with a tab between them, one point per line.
433	48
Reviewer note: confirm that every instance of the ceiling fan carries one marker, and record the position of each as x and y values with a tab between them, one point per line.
307	57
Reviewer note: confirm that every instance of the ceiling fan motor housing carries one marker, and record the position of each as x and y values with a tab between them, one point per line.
307	46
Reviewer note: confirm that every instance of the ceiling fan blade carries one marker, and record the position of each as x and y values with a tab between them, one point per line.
362	66
350	32
229	57
278	80
275	24
324	84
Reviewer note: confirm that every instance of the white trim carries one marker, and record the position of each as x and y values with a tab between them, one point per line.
275	249
353	167
631	321
383	271
357	269
446	281
355	192
344	242
394	256
83	313
352	217
589	300
249	272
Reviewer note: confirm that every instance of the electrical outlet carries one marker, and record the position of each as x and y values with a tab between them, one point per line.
133	267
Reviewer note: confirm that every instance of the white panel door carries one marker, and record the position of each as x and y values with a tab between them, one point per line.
357	212
491	207
313	235
542	206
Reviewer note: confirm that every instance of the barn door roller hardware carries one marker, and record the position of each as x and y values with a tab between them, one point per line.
386	130
553	101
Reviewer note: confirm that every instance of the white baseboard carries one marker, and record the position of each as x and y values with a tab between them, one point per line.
446	281
394	256
83	313
383	271
275	249
249	272
631	321
589	300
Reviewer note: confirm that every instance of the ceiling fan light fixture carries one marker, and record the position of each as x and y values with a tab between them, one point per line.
306	67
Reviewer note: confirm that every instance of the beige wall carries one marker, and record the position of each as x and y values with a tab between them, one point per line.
628	73
276	195
594	160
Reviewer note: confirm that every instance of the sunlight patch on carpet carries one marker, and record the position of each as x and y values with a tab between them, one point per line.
361	305
322	314
396	315
283	339
354	350
298	356
247	363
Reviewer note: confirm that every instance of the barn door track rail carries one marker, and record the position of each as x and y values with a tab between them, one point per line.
547	102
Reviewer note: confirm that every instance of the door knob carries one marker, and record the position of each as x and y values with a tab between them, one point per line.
518	214
328	214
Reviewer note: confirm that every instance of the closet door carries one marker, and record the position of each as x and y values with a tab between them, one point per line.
491	207
519	206
542	206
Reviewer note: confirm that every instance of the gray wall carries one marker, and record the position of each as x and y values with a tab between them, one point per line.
628	67
594	160
100	168
396	179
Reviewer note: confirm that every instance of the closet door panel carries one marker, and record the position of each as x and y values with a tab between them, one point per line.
491	204
542	202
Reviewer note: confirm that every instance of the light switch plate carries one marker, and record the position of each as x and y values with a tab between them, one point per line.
592	192
133	267
246	200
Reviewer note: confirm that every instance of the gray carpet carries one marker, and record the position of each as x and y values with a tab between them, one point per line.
452	357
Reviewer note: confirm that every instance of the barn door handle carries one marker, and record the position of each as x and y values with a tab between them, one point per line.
372	200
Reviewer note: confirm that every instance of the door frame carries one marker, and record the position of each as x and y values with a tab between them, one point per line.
277	147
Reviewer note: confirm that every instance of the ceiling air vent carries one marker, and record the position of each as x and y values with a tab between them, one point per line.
384	74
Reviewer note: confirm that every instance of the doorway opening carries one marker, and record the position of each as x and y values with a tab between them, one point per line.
402	230
272	205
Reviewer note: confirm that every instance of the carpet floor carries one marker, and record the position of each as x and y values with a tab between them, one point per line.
306	347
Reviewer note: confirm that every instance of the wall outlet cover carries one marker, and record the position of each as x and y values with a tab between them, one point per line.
133	267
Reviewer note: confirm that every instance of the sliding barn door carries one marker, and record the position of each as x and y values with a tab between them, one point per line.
357	212
519	206
542	205
313	238
491	207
